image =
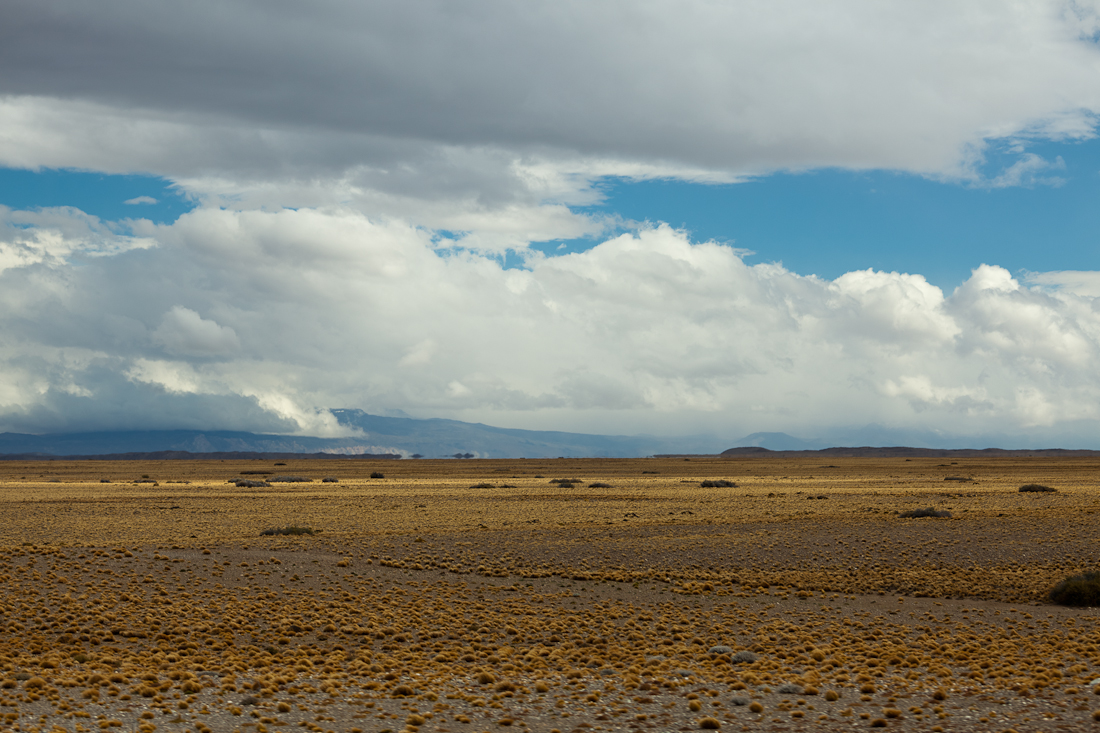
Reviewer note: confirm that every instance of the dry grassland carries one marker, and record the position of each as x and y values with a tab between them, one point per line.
478	595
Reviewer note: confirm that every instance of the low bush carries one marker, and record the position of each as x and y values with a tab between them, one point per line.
599	485
330	480
1078	590
929	512
250	484
482	486
1035	487
290	529
377	474
718	484
291	479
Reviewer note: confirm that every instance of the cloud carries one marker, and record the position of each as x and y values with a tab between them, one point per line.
55	236
137	200
182	332
476	118
645	332
1029	171
359	173
1076	282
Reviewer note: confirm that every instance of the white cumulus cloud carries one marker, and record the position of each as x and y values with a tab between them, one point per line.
184	332
645	332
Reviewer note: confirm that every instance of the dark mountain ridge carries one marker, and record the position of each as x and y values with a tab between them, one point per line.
904	452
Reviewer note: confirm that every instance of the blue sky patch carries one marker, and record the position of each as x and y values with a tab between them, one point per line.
99	194
829	222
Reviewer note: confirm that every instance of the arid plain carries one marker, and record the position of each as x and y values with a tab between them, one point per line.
471	595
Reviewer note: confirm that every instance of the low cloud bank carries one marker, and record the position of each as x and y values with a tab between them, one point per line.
263	320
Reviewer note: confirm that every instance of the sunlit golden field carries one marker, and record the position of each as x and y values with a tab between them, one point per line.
478	595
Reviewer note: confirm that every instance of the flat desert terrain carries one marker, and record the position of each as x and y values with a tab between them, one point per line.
664	594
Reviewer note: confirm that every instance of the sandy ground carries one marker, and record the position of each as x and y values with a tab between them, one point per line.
650	604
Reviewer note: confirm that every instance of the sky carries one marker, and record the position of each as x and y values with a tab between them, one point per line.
841	220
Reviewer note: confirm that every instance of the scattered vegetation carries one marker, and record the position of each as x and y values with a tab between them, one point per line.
482	486
291	529
251	484
599	485
330	480
1078	590
957	478
290	480
927	512
377	474
1035	487
311	596
720	483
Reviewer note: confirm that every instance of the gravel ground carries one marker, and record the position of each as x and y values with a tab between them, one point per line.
427	604
261	638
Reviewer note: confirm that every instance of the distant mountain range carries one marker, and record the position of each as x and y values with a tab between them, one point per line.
400	436
405	437
905	452
779	441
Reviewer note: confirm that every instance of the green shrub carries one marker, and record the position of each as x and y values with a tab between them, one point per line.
929	512
290	529
1078	590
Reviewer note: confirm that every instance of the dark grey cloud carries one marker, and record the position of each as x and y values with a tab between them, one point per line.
98	396
727	87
